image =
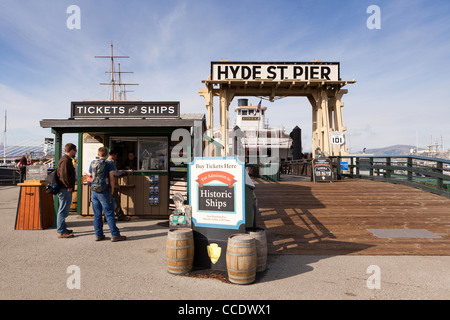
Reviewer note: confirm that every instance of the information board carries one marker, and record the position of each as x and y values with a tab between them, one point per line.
91	143
322	170
217	192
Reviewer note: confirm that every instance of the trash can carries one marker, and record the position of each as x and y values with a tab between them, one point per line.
35	206
270	172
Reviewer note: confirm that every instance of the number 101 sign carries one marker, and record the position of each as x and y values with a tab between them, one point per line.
337	138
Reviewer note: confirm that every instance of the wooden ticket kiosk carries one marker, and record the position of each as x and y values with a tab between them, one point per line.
142	134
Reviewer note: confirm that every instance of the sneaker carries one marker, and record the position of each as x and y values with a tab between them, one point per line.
118	238
65	235
102	237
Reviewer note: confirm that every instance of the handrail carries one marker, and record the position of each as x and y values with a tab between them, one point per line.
218	145
9	176
428	174
300	167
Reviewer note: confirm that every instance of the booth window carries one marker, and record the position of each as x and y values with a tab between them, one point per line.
150	152
153	153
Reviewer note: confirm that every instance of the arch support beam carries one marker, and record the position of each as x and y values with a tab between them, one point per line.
325	98
326	117
226	96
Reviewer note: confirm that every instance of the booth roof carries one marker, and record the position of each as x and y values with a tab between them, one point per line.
77	125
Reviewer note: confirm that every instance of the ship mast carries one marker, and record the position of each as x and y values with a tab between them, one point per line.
4	144
112	82
122	92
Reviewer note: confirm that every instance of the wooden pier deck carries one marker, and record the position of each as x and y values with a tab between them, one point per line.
302	217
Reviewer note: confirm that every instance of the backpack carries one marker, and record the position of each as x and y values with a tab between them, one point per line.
52	183
98	183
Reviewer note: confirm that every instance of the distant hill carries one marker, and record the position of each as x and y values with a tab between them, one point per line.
397	150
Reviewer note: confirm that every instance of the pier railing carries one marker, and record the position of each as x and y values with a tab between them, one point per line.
9	176
300	167
428	174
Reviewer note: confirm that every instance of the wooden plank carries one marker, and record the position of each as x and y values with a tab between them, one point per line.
140	194
35	214
146	208
332	218
28	208
21	209
164	196
47	208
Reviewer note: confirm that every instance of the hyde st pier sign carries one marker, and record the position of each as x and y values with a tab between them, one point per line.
276	71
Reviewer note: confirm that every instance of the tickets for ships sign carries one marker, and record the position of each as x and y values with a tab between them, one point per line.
217	192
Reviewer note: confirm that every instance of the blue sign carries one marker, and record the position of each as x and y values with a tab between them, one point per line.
344	166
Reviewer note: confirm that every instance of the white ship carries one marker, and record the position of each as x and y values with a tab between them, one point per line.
262	144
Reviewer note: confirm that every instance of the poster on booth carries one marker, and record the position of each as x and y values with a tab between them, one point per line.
91	143
217	192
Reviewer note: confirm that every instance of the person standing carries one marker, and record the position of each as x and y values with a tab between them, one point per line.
319	153
117	205
23	163
66	174
102	186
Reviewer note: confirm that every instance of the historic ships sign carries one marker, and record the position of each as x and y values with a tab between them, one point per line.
125	109
216	192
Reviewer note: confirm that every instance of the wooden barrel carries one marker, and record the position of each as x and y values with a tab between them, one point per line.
261	247
180	250
241	258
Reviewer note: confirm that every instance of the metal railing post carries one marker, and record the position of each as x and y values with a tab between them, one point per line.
357	167
439	180
371	166
388	165
409	164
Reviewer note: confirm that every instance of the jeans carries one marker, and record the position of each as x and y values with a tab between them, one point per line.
103	201
65	201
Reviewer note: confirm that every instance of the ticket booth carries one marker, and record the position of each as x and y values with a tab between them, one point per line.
142	134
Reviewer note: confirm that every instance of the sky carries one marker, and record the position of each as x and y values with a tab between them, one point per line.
401	69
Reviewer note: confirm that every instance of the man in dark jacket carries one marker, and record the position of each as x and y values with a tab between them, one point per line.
66	175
